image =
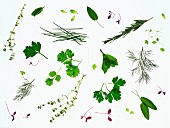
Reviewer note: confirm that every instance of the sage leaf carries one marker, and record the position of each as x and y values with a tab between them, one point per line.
148	103
73	11
37	11
145	110
92	14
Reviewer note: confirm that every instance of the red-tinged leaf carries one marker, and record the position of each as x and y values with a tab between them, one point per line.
164	93
88	118
159	92
14	113
82	117
110	119
109	111
109	16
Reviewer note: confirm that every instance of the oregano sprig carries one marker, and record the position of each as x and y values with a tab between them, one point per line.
65	102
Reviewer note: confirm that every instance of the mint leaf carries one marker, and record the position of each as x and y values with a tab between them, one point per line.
49	81
58	78
72	70
52	73
98	95
61	57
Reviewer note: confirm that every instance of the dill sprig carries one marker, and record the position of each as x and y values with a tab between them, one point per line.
11	41
144	65
65	102
133	27
66	34
24	90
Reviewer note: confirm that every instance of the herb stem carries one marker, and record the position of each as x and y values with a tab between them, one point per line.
101	113
43	55
99	24
107	87
136	94
59	70
102	52
8	108
88	111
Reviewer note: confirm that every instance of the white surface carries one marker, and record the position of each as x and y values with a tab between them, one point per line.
29	30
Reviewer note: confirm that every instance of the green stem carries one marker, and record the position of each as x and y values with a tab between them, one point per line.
107	88
59	70
99	24
136	94
43	55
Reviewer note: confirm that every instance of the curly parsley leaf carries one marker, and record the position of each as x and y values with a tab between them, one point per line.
72	71
31	51
108	61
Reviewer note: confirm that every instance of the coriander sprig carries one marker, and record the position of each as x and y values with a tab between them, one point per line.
65	102
144	65
11	40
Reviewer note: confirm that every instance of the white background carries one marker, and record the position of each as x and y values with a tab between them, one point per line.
89	52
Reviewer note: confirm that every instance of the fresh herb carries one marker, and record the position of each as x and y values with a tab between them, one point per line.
144	65
114	93
65	103
11	40
163	16
24	90
128	110
33	64
161	91
108	113
66	34
108	61
73	11
145	105
22	72
12	115
162	49
133	27
53	76
63	11
94	66
67	59
84	116
73	18
92	14
31	51
37	11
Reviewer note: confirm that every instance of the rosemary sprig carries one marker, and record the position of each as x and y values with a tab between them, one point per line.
133	27
65	102
11	41
24	90
144	65
66	34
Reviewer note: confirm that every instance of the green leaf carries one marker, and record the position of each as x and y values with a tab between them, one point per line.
69	53
145	110
73	11
148	103
63	11
114	94
146	42
31	51
61	57
73	18
115	79
52	73
68	62
58	78
92	14
154	42
131	112
108	61
157	39
119	82
163	16
37	11
72	71
49	81
98	95
22	72
94	66
127	109
162	49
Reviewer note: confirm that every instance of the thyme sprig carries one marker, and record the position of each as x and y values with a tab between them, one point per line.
24	90
66	34
133	27
64	102
144	65
11	41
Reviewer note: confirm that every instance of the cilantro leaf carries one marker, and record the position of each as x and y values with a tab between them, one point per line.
61	57
52	73
49	81
72	70
31	51
119	82
108	61
58	78
98	95
69	53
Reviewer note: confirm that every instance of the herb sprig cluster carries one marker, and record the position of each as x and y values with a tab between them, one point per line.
64	102
114	93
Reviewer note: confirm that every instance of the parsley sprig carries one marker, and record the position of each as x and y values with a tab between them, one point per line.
67	59
114	93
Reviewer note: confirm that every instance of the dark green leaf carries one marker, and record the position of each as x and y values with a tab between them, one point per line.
49	81
148	103
68	62
37	11
61	57
146	42
72	71
92	14
58	78
69	53
52	73
108	61
145	110
115	79
73	11
153	42
73	18
121	82
114	94
157	39
162	49
98	95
